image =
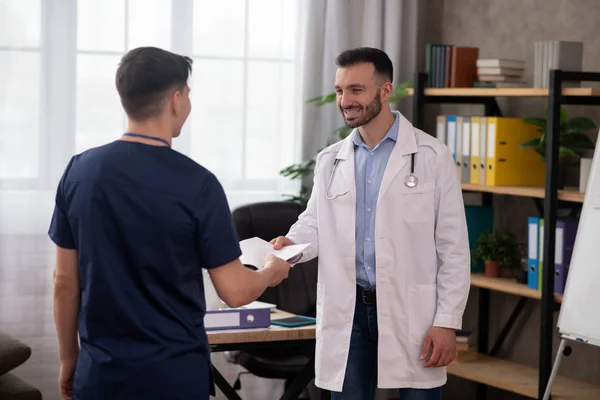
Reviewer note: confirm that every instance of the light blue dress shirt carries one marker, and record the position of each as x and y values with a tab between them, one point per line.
369	166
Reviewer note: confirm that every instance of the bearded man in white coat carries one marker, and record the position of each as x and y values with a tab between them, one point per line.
386	219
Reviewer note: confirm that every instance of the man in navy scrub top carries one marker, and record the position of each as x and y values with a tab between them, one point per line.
134	224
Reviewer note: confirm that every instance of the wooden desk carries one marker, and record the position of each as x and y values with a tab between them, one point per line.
272	334
244	339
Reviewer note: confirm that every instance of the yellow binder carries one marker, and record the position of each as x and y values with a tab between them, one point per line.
482	150
507	163
475	154
459	146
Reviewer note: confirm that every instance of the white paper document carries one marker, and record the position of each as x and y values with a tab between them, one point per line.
255	250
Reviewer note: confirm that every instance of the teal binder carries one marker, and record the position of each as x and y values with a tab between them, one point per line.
479	220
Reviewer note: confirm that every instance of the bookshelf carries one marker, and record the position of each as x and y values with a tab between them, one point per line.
508	285
483	366
516	378
568	194
506	92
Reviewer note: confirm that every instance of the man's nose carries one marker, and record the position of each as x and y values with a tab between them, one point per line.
346	100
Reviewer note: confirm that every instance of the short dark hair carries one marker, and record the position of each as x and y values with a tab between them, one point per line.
145	76
381	61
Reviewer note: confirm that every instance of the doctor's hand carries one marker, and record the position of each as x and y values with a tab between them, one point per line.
275	269
443	341
281	241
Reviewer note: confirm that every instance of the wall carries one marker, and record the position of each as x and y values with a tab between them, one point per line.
507	29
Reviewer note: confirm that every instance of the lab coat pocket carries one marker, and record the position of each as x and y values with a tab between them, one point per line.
422	305
418	203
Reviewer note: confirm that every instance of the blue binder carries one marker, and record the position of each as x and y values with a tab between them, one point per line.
451	131
533	243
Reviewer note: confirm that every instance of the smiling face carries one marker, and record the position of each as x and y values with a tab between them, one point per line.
360	93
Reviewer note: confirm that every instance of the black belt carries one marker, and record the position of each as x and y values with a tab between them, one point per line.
367	296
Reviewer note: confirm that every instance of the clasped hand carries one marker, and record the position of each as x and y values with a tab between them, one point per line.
277	269
443	341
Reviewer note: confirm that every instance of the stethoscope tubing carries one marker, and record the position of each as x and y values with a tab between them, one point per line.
410	181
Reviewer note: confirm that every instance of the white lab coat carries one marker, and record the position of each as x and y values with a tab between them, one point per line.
422	258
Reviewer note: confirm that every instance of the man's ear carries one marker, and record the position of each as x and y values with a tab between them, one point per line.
176	102
386	91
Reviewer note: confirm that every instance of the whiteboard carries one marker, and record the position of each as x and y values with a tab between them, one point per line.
579	316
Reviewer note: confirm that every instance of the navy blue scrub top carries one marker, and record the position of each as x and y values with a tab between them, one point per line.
144	220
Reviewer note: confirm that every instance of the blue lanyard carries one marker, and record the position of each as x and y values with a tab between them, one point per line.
147	137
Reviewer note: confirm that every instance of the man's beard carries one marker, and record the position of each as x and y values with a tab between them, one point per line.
371	111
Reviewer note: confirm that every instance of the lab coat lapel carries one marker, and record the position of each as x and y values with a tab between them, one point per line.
346	165
404	147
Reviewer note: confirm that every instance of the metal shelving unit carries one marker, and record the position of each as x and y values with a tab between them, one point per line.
557	96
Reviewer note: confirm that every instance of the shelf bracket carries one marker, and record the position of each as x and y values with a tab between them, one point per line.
539	205
491	107
574	208
508	326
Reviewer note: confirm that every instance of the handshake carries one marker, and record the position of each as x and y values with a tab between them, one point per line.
276	269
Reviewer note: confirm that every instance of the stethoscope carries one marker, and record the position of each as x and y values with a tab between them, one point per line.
410	180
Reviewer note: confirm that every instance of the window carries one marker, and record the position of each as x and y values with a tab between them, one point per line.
133	23
20	71
243	89
58	97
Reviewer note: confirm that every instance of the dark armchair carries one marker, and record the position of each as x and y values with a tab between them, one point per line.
13	353
297	294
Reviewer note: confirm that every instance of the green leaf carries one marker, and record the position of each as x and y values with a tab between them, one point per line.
404	85
578	124
400	91
397	98
566	152
322	100
541	122
342	132
530	143
563	116
575	140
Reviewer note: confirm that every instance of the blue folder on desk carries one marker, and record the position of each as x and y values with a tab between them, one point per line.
237	318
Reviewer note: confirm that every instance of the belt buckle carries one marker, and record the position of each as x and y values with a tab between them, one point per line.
368	300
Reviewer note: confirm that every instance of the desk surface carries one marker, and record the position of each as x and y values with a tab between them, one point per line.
272	334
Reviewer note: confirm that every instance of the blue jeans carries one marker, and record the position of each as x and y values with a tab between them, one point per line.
360	380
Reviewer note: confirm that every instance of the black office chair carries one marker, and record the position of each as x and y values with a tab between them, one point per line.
297	294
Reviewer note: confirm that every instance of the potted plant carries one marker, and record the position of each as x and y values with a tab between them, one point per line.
571	140
305	168
497	249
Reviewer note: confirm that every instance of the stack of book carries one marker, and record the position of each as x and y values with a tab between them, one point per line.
496	72
450	66
465	342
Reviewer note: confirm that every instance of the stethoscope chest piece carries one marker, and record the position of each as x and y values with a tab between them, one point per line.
411	180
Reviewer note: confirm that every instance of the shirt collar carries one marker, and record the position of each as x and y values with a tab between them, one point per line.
391	134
